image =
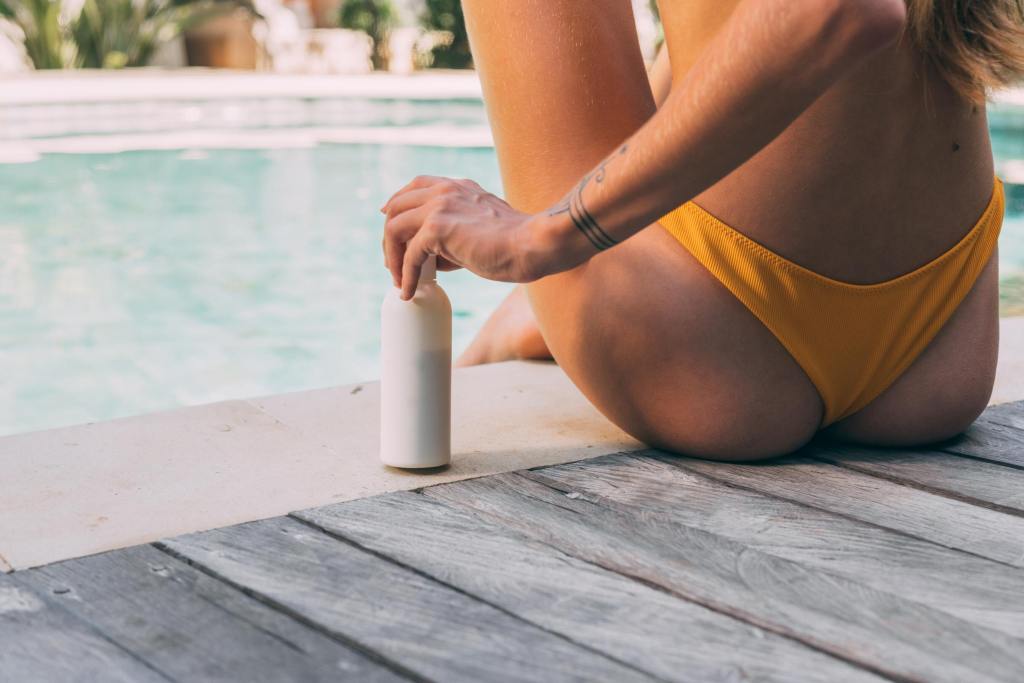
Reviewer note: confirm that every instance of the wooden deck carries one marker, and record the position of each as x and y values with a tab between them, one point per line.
838	564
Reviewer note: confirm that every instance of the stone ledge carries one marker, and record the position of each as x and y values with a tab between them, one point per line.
83	85
81	490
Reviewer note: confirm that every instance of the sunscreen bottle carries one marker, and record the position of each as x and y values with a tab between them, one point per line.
416	375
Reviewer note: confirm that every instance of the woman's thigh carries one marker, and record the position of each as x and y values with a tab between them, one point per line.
649	336
564	83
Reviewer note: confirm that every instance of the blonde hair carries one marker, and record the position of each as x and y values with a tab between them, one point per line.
975	45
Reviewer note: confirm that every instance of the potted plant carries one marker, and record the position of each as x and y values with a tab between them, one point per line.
375	18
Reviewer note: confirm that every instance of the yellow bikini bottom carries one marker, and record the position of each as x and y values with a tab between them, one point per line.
853	341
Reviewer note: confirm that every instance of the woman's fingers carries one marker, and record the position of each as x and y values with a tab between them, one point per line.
393	254
419	182
397	232
415	255
405	201
406	244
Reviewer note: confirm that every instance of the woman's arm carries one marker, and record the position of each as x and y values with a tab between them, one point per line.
771	60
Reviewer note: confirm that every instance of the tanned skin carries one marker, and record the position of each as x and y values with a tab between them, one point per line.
808	125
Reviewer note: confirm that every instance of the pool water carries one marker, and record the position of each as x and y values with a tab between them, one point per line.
145	280
1007	133
141	281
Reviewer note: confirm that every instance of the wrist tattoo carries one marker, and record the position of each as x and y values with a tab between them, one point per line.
577	210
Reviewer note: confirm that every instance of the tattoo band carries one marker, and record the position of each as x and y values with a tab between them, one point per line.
585	223
578	213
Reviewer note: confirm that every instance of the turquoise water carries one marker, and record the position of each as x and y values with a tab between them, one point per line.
139	281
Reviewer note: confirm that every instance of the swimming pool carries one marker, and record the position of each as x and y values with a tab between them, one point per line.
140	280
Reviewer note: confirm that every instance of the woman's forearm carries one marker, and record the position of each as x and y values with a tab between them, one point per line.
771	60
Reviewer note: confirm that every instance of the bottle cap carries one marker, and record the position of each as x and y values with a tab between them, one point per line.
428	273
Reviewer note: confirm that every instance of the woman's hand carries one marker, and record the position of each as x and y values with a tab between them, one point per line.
465	226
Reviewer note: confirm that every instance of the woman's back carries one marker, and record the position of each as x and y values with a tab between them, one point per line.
886	171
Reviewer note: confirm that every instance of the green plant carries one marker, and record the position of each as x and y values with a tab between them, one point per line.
107	33
39	21
446	16
117	33
375	18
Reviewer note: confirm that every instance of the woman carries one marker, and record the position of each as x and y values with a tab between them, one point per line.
800	236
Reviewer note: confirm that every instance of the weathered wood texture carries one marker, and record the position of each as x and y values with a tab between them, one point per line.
673	639
876	629
42	642
188	626
969	587
929	516
978	482
425	626
998	435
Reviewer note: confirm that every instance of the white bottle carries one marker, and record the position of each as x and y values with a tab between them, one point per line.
416	375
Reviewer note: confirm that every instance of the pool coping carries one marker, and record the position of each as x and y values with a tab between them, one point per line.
85	85
198	83
85	489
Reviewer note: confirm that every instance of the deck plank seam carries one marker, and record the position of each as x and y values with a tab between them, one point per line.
997	419
639	449
353	644
100	633
724	609
433	579
842	515
948	450
250	623
945	493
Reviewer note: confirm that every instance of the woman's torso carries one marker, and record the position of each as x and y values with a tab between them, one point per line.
886	171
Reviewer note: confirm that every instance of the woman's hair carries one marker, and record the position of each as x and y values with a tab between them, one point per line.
975	45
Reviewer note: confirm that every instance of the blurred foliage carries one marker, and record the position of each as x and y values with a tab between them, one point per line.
39	21
375	18
446	16
107	33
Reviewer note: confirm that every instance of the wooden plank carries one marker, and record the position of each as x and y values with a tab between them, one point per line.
987	484
650	629
998	435
189	626
425	626
936	518
1008	414
878	630
40	642
969	587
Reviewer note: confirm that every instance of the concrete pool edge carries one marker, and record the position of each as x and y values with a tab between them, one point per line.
85	489
85	85
80	490
110	85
